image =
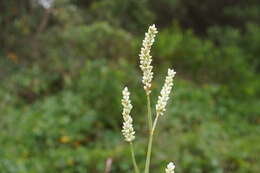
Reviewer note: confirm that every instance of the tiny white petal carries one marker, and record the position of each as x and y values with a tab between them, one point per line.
128	130
146	58
170	168
165	92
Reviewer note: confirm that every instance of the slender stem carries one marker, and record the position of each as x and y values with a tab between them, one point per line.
149	113
133	158
154	123
148	156
150	143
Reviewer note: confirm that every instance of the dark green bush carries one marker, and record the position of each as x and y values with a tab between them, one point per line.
227	65
61	85
78	128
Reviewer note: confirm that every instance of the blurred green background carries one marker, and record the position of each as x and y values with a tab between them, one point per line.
63	65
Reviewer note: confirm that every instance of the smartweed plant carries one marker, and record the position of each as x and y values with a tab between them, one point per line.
128	129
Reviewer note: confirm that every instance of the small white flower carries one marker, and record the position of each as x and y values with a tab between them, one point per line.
128	130
165	92
46	3
170	168
146	58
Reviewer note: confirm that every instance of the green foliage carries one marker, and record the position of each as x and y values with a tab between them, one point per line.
130	15
61	84
78	128
202	15
230	63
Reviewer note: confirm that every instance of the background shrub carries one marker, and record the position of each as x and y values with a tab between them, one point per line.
62	71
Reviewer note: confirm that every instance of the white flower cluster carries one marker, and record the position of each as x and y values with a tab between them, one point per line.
170	168
165	92
146	58
46	3
128	130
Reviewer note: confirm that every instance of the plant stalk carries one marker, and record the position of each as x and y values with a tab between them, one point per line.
133	158
149	113
150	143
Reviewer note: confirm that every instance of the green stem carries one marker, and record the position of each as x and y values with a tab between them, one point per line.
149	113
155	122
148	156
150	143
133	158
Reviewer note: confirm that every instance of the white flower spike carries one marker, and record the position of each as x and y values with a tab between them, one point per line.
165	92
146	58
128	130
170	168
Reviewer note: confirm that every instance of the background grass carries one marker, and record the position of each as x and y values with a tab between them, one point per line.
61	85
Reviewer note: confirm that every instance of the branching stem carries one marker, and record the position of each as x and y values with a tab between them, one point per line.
150	143
133	158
